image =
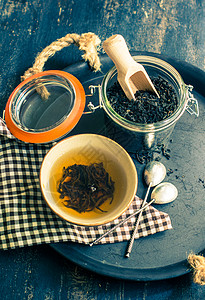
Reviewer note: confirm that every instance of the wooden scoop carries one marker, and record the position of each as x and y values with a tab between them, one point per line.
131	75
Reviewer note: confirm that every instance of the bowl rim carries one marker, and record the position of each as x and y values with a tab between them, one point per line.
98	223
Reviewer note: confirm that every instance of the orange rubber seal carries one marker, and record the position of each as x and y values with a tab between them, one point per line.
63	128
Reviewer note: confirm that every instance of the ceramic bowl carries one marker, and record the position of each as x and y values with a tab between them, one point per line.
86	149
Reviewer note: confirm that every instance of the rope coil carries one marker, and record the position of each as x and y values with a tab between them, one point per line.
87	42
197	263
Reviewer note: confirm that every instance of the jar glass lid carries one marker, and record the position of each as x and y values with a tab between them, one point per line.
45	107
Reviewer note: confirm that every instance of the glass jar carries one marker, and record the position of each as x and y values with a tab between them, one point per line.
33	118
144	137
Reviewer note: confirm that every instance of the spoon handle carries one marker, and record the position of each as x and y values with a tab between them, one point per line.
122	222
131	242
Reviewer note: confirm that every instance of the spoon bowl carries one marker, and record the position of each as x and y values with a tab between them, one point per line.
154	173
164	193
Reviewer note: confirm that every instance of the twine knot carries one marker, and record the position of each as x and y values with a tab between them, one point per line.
197	262
89	42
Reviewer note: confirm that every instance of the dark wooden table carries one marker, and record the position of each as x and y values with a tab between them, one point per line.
174	28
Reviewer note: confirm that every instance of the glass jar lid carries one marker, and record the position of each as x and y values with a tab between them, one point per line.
45	107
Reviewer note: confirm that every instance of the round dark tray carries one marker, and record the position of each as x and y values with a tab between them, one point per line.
163	255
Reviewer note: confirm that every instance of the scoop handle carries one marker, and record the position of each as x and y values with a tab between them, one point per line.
116	48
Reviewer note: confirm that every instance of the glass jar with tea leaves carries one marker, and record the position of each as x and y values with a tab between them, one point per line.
145	123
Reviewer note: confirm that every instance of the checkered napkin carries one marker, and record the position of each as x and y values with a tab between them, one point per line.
25	218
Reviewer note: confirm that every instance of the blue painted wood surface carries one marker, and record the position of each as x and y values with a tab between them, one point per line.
174	28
